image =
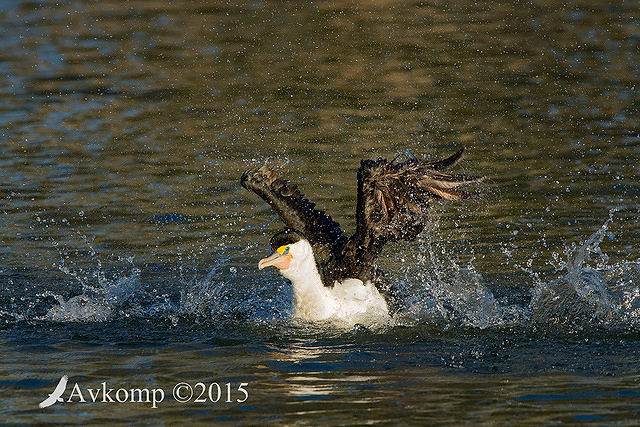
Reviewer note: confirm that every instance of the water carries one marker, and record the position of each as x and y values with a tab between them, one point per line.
129	250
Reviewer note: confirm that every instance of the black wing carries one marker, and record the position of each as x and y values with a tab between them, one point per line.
393	200
324	234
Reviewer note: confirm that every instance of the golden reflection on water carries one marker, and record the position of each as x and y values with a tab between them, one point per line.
123	112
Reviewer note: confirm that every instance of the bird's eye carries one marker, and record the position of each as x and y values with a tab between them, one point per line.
283	250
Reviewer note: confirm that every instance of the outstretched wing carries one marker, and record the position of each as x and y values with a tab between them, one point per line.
393	200
324	234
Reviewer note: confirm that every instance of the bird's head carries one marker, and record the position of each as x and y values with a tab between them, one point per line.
292	254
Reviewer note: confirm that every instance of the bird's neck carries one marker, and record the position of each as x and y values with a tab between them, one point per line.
312	300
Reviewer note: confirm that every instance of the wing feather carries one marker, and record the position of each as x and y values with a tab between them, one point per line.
393	202
296	211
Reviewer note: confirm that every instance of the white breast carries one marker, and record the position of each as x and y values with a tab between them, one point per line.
350	302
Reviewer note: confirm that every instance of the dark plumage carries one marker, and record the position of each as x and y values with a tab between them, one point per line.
286	237
392	205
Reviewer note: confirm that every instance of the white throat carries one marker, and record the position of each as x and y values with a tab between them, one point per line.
311	299
351	301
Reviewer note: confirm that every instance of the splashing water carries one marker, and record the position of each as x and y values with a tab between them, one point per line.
101	295
442	293
448	292
587	297
583	297
455	294
96	303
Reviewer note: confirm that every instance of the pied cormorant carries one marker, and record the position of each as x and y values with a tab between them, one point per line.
334	276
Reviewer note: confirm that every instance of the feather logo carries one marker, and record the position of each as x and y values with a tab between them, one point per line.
56	395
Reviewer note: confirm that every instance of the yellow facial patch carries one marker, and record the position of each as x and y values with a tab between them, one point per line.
283	249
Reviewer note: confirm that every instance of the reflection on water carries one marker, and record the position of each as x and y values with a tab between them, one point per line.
310	376
128	250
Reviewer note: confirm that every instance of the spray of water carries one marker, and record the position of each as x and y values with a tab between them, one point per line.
590	293
101	294
445	292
